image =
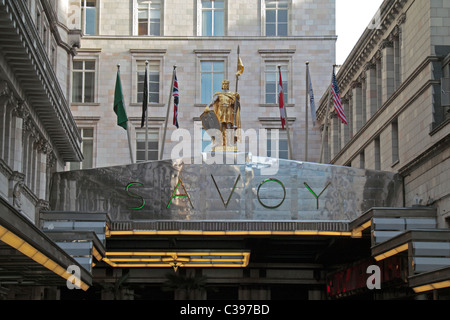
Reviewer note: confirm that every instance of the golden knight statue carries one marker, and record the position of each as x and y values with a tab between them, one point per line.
226	107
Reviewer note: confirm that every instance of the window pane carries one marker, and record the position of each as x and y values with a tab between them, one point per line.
282	30
271	4
78	65
282	4
153	97
89	87
206	4
77	87
206	88
219	23
88	147
153	155
207	23
91	21
270	30
155	29
271	98
89	65
88	133
75	165
140	156
219	66
153	145
140	145
219	4
206	66
217	82
282	16
142	28
271	16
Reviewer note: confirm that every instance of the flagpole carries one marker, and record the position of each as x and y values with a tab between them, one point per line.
326	116
146	111
306	111
128	122
237	81
287	122
167	115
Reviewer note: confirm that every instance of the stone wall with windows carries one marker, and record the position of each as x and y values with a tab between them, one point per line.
392	88
202	62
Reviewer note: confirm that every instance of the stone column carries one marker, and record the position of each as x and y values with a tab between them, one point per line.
356	107
371	89
379	69
387	69
345	128
335	127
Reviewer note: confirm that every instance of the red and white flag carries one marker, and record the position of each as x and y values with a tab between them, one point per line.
281	101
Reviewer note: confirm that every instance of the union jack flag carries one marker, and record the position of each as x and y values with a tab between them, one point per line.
175	100
337	100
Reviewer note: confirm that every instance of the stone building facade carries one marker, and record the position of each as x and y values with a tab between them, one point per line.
38	133
168	33
394	91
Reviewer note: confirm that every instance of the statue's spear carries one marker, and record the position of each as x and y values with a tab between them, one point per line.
240	69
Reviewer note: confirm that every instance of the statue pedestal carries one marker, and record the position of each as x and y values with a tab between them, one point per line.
225	149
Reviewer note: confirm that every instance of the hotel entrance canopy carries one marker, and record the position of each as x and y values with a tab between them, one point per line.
247	189
222	212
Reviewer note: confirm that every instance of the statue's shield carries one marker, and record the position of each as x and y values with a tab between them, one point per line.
210	121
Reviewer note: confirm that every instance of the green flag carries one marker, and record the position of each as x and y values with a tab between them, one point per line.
119	106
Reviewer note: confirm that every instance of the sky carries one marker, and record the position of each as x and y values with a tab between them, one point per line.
352	17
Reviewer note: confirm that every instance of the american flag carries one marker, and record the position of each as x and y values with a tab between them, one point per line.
337	100
281	101
175	100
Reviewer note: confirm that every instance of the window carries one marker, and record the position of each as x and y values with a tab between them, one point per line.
277	139
206	141
276	17
83	81
89	16
149	17
212	18
211	74
271	82
153	81
153	145
87	147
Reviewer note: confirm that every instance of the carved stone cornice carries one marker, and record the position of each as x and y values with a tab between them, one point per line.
401	19
369	65
21	110
386	43
17	176
51	160
355	84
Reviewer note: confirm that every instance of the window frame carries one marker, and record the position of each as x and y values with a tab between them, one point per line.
157	66
285	75
212	72
84	20
84	59
136	10
264	18
281	134
141	131
79	165
200	11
